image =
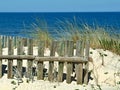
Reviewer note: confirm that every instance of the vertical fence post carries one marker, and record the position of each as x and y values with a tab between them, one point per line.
25	41
0	54
5	41
87	45
2	40
40	67
19	52
61	64
79	66
70	48
30	62
10	61
51	63
15	42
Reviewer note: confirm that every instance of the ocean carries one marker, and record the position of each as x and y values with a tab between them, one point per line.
15	24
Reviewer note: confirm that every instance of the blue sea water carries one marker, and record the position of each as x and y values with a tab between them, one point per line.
14	24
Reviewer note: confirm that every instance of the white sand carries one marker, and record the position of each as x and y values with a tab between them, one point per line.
107	76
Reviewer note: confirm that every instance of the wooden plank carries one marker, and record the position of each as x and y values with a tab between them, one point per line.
40	63
52	58
80	48
19	57
30	61
69	53
79	66
61	59
79	73
3	41
61	64
51	63
10	61
0	54
15	42
6	41
19	52
87	63
25	43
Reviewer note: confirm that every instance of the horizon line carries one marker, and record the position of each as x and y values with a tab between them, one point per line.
57	11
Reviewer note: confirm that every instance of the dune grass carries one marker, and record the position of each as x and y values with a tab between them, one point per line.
98	36
40	32
68	30
73	30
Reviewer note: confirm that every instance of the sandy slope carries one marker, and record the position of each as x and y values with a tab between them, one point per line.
107	75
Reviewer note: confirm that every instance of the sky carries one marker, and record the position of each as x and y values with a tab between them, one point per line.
59	5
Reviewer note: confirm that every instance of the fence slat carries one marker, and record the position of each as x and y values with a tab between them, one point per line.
79	66
10	61
25	40
0	54
15	41
19	52
69	50
61	64
29	61
40	63
87	45
5	41
51	63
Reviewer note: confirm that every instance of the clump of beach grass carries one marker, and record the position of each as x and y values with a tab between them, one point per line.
98	36
110	43
40	32
68	30
74	30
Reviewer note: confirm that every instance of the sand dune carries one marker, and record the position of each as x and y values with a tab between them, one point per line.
107	75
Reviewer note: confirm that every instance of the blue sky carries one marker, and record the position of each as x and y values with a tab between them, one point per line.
59	5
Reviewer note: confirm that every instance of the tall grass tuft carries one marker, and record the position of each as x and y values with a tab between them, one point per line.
74	30
40	32
98	36
112	44
68	30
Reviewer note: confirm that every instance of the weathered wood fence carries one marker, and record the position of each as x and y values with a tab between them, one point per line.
65	50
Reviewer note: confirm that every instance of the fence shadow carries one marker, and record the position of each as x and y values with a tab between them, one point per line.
4	69
73	78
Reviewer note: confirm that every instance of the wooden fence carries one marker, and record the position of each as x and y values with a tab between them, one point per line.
68	57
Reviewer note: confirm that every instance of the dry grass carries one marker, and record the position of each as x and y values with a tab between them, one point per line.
73	30
40	32
98	36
